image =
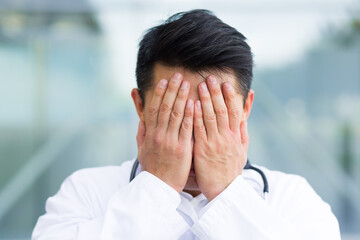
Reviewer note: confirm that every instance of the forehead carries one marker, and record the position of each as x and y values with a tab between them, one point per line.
161	71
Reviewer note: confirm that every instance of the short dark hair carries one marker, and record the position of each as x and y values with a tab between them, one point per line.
198	41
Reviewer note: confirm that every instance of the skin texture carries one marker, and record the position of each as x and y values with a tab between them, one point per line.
193	121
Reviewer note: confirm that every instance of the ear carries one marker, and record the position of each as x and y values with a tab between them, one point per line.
248	105
135	95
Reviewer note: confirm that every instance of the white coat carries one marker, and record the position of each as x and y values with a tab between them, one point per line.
100	203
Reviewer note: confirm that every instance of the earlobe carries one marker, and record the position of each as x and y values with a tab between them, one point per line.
135	95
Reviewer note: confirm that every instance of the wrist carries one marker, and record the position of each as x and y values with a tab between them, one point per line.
210	195
217	189
167	179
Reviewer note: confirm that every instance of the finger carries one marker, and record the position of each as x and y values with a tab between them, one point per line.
244	135
177	114
218	103
153	109
233	106
199	127
168	101
209	116
140	134
187	123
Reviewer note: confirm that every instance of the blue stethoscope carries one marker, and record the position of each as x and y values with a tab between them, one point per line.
247	166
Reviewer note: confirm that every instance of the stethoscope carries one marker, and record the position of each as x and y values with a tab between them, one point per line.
247	166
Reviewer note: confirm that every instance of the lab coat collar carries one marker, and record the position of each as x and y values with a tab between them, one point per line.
252	177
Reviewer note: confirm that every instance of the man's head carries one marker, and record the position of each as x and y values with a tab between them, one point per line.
196	44
197	41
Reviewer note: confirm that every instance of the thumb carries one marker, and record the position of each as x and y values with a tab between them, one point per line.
244	135
141	134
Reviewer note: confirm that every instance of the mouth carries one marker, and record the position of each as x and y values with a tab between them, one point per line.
192	168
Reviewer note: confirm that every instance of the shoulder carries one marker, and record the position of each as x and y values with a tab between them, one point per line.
85	193
119	173
282	179
291	190
293	196
279	182
98	182
285	183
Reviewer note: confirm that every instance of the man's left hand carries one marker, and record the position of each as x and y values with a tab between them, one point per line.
221	138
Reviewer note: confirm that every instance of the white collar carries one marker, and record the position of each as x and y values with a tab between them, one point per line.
252	177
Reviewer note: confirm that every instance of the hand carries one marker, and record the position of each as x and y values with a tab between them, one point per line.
164	144
221	139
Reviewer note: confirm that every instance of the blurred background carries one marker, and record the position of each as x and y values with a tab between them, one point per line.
67	68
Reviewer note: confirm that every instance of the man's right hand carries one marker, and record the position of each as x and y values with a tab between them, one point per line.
164	144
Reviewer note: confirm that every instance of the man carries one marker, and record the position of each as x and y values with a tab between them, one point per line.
193	99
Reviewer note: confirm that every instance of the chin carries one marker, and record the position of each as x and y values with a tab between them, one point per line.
191	184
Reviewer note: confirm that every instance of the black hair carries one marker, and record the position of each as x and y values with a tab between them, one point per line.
198	41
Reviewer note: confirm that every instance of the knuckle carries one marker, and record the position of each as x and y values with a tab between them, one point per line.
220	147
172	147
176	115
216	92
198	115
148	139
222	111
153	110
158	92
200	127
187	124
205	98
165	107
230	94
181	95
158	139
210	117
172	87
188	114
235	112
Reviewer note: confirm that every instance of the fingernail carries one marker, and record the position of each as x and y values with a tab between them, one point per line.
212	80
198	104
184	85
203	87
162	83
177	77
